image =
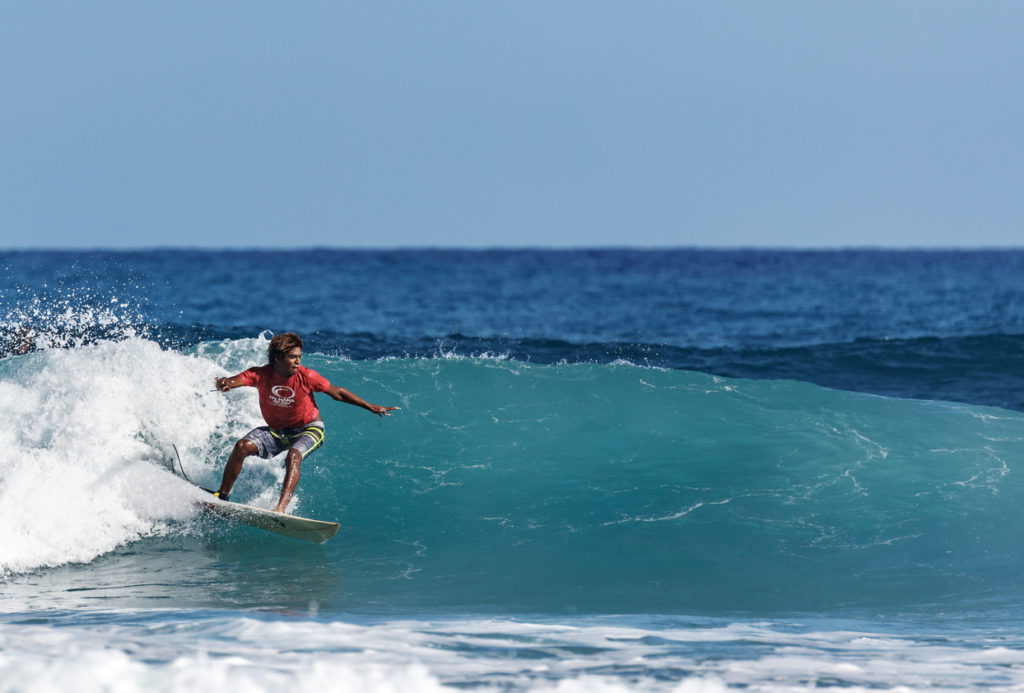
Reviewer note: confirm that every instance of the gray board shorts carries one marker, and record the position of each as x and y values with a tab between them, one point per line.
272	442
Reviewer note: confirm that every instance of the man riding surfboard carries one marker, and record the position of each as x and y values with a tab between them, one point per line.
294	424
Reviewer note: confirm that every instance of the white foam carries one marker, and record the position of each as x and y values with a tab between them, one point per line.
177	651
86	441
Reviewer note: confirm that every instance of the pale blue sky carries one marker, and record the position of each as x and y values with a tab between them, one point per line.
790	123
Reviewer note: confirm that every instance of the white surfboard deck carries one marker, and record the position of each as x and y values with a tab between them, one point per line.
293	526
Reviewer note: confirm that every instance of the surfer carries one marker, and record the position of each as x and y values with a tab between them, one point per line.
286	390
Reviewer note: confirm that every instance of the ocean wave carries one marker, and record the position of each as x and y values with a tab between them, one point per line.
512	485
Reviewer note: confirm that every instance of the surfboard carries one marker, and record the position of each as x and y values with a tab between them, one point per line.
293	526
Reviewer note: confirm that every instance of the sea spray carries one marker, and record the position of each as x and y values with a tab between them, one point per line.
83	448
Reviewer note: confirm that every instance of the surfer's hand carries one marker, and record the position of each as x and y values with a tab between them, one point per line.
382	411
222	384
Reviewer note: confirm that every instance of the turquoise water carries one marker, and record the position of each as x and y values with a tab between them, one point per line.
518	488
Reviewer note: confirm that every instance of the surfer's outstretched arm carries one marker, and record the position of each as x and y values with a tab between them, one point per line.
343	395
228	384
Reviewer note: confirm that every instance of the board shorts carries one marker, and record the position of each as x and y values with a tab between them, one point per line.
272	442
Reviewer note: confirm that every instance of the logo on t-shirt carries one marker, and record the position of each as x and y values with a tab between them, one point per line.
282	396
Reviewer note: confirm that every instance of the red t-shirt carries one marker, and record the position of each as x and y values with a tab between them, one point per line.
286	402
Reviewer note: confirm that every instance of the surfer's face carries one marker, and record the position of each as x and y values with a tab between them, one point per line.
289	363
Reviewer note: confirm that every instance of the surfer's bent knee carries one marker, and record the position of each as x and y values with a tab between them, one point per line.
247	447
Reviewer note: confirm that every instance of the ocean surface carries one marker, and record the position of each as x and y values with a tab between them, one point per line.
611	470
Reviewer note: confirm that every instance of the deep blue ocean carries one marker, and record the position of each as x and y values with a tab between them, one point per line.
612	469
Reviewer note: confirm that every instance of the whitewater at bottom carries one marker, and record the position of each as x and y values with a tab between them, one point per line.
156	650
513	527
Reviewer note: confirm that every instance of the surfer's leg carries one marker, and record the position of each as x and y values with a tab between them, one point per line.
243	448
303	442
291	478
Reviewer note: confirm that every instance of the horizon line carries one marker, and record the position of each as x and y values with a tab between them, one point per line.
867	247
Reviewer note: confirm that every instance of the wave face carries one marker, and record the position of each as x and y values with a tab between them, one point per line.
522	487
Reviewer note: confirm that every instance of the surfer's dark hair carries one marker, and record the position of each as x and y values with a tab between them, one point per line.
281	344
